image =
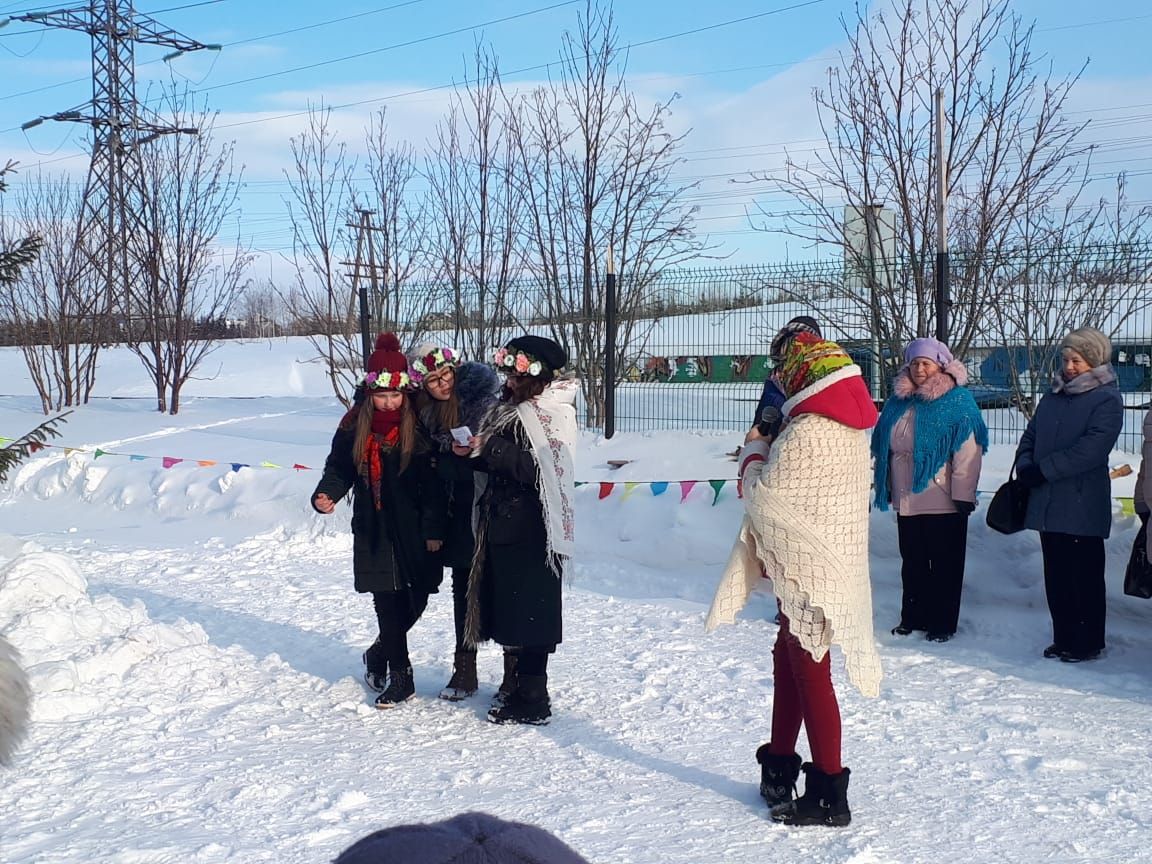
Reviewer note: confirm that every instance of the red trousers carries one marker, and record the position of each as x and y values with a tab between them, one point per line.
804	695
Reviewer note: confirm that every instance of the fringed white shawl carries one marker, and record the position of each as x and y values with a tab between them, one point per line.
550	422
806	525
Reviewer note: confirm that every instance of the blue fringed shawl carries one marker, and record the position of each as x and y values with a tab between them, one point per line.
943	425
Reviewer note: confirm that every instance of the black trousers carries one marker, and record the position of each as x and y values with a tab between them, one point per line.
392	616
460	603
1074	584
932	548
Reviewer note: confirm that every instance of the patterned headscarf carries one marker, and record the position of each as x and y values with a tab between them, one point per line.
807	359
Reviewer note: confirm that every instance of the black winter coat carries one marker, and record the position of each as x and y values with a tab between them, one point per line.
520	601
389	552
476	390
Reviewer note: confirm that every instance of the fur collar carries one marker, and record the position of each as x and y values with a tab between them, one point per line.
1100	376
952	375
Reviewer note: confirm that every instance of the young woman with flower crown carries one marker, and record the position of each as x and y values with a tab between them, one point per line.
399	513
454	395
523	458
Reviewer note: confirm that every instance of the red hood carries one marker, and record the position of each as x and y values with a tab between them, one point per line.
844	398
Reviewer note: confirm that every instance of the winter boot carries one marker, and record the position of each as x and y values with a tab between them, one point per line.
528	703
824	802
463	682
777	776
375	667
400	687
508	684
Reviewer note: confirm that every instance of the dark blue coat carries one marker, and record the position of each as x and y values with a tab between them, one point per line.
1070	438
770	395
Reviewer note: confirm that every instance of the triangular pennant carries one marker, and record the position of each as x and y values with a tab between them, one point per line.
68	451
685	488
100	453
660	487
135	457
580	483
236	466
605	490
205	463
35	446
718	486
300	467
267	464
629	488
1128	506
169	461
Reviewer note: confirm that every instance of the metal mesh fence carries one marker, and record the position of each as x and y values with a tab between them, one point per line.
693	352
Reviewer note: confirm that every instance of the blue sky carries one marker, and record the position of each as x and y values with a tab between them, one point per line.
744	87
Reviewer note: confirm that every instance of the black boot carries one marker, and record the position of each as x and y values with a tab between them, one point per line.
508	684
824	802
375	667
400	687
528	703
463	682
777	776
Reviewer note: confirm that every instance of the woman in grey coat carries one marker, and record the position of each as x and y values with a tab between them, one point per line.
1063	458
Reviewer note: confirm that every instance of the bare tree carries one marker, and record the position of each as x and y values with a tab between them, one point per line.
596	172
188	281
15	254
56	306
1084	266
1009	150
319	209
474	206
399	240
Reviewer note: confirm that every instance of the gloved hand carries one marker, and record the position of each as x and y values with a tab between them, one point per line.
1030	475
965	507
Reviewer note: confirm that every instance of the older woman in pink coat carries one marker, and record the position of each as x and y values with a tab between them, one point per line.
928	446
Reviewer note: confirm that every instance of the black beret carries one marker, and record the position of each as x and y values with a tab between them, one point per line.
542	348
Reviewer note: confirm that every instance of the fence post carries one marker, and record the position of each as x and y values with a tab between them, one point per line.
610	348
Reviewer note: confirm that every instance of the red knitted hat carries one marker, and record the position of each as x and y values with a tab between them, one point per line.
387	367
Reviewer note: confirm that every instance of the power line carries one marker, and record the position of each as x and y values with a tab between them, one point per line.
406	44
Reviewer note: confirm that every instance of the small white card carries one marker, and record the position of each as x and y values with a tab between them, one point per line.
461	435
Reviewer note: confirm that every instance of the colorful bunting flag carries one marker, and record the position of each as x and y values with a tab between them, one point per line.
718	487
205	463
300	467
169	461
269	465
100	453
659	488
236	466
605	490
685	488
629	488
136	458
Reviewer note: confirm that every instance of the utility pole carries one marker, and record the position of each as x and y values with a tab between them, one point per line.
114	187
364	235
943	300
610	348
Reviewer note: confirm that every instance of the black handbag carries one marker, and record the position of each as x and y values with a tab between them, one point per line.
1138	576
1009	506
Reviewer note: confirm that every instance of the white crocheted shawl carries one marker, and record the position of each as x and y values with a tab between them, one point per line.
806	526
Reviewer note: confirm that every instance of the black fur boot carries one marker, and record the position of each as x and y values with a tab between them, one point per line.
463	682
508	683
375	667
400	687
778	776
824	802
529	703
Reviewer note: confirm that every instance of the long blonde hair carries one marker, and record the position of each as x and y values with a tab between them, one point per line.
407	442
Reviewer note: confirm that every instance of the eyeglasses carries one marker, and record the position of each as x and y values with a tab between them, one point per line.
444	376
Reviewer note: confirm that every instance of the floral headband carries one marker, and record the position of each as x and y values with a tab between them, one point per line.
434	360
518	361
387	380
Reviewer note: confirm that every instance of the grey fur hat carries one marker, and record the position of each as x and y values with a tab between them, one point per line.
1091	344
15	696
470	838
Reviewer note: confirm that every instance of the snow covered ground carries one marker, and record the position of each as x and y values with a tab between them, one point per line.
194	645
